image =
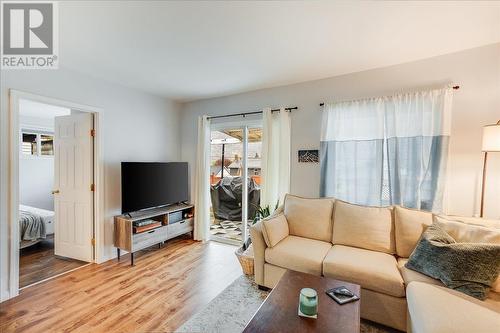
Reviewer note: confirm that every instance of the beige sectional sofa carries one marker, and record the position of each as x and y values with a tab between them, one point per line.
369	246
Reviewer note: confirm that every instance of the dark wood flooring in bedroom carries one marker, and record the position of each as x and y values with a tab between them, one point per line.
38	262
164	289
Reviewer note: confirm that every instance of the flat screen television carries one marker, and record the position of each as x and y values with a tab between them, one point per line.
147	185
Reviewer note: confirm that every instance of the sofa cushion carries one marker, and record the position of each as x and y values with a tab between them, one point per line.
365	227
309	218
299	254
490	223
496	285
438	309
409	225
372	270
409	275
274	229
468	232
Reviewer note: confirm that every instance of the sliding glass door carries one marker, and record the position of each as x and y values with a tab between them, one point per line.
236	150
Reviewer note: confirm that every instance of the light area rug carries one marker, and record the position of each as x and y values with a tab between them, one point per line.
233	308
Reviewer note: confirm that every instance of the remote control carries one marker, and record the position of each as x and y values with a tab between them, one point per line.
343	292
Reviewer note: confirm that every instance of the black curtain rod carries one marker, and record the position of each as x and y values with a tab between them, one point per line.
244	114
454	87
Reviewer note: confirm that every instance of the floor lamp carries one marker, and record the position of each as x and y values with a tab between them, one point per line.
491	143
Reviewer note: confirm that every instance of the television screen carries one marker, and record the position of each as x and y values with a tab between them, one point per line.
147	185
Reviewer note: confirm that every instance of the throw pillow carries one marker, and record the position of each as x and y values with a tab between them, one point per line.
275	229
470	268
472	230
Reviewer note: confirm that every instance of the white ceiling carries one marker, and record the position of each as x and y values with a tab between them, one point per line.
28	108
193	50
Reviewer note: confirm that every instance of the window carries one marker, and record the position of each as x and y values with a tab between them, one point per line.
35	143
47	144
29	145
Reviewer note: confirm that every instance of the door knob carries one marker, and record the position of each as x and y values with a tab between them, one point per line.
55	191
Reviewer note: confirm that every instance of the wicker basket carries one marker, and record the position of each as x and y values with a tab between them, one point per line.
246	259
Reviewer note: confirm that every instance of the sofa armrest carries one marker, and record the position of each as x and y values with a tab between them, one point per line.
265	234
259	250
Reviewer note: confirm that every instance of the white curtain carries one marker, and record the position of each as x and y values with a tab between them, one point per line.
202	181
275	172
388	150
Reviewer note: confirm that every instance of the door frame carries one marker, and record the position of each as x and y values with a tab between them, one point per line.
13	180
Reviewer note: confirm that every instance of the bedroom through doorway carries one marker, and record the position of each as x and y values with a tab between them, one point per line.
52	157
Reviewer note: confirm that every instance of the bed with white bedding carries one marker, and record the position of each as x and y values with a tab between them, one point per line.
34	224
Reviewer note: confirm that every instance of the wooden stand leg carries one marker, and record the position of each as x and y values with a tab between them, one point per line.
485	162
132	259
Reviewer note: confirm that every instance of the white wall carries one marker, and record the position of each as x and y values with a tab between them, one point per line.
36	173
42	124
36	181
476	103
135	127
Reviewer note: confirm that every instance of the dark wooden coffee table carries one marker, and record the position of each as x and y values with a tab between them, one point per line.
278	313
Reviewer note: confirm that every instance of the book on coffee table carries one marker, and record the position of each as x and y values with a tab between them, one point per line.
342	295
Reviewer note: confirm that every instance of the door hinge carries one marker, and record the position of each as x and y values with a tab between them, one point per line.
92	241
92	132
92	187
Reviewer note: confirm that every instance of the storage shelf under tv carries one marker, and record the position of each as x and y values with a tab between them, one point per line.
169	222
144	228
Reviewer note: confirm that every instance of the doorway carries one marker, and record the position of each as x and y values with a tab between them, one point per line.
235	181
54	186
42	228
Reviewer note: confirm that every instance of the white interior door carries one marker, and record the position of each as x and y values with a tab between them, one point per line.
73	197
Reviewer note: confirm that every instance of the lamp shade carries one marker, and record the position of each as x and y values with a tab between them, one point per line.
491	138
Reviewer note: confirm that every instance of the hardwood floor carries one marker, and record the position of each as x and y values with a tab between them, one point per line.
38	262
164	288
